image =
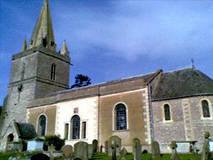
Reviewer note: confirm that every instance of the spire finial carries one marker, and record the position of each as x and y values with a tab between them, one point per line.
64	49
44	29
192	60
24	45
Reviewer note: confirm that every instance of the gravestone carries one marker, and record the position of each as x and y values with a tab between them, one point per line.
206	154
67	151
35	145
183	147
51	149
174	155
95	145
114	143
90	150
155	150
136	149
106	146
81	150
40	156
101	149
123	154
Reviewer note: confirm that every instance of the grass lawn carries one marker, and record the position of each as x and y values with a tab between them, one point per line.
149	157
103	156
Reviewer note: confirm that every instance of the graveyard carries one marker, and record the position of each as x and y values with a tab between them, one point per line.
51	149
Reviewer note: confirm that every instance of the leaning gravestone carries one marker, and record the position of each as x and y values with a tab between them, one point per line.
174	155
81	150
95	145
136	149
123	153
206	154
40	156
114	144
155	150
90	151
67	151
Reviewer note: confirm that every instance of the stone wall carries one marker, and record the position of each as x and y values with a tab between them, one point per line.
87	110
186	124
49	111
137	121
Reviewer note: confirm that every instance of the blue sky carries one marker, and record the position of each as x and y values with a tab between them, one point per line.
114	39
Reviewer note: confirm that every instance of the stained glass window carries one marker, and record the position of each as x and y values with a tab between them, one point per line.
120	117
42	125
75	127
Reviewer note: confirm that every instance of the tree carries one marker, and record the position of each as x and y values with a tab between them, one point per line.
81	81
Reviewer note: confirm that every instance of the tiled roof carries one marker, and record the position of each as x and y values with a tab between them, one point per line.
182	83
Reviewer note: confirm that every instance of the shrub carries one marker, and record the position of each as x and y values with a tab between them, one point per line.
55	140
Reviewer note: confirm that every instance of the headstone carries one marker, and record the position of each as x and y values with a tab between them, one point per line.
95	145
206	154
183	147
51	149
211	145
106	146
136	149
123	154
155	150
114	147
81	150
67	151
40	156
90	150
35	145
114	143
101	149
174	155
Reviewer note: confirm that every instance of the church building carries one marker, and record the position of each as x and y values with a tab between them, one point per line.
159	106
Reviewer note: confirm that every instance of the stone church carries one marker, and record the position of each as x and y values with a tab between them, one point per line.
159	106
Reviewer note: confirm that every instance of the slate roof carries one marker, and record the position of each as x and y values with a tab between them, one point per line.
25	130
106	88
182	83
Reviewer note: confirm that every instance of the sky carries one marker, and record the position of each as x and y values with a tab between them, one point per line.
114	39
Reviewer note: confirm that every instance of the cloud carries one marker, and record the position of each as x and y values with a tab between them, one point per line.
131	29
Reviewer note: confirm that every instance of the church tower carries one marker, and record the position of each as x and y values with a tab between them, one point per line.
36	72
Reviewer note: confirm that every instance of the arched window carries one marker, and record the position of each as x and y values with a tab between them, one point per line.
205	108
167	114
53	68
75	127
120	119
42	125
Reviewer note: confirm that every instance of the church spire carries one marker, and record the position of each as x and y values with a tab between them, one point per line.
24	46
43	31
64	49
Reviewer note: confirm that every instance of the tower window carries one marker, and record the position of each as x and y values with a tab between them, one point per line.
167	114
66	131
84	129
120	110
75	127
205	108
53	69
42	125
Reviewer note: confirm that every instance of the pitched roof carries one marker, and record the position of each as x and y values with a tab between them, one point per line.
111	87
182	83
25	130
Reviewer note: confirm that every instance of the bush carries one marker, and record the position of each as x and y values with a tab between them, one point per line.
55	140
